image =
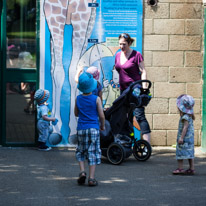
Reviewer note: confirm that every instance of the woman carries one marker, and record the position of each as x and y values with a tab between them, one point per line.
130	66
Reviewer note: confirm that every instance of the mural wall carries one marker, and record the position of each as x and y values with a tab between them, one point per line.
84	33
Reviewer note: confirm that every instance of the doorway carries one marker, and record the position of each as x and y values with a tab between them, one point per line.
18	72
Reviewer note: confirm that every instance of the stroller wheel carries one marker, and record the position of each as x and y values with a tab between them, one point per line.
142	150
115	153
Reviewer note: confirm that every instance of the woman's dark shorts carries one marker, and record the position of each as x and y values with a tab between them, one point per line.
139	113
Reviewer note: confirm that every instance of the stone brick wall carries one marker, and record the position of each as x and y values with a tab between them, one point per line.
173	53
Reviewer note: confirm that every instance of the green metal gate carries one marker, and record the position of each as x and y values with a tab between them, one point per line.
19	61
204	91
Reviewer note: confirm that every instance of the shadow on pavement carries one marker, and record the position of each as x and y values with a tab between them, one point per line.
32	177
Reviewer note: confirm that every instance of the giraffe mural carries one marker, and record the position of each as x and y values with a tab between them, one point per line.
59	13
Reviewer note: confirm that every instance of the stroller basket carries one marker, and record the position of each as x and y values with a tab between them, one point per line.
123	140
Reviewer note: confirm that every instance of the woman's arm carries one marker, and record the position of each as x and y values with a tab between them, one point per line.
143	74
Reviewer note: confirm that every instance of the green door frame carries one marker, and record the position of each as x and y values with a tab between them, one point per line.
203	142
16	74
1	53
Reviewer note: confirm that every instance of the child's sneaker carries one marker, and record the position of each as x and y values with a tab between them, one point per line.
43	147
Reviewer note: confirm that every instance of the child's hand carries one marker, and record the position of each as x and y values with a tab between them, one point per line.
55	122
102	128
80	69
180	141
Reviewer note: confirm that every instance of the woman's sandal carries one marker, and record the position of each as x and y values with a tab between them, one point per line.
82	178
189	172
92	182
178	172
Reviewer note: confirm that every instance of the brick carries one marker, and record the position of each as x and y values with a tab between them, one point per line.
196	137
194	27
167	90
169	26
148	26
198	106
149	118
173	107
199	138
165	121
158	106
157	74
171	137
197	122
182	74
160	12
148	58
194	90
186	11
193	59
171	58
155	42
184	55
185	42
158	138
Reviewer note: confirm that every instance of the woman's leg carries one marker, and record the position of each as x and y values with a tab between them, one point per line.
147	137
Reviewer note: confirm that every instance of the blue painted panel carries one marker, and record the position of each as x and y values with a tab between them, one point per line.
112	18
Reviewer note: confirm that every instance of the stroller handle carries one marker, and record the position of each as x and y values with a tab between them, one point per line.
140	81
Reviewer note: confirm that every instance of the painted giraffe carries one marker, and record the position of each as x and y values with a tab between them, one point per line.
58	13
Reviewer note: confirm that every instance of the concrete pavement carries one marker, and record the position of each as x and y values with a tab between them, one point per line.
32	177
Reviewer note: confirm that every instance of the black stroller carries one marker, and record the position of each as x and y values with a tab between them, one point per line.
117	141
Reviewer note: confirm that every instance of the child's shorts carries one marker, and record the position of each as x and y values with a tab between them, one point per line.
89	146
